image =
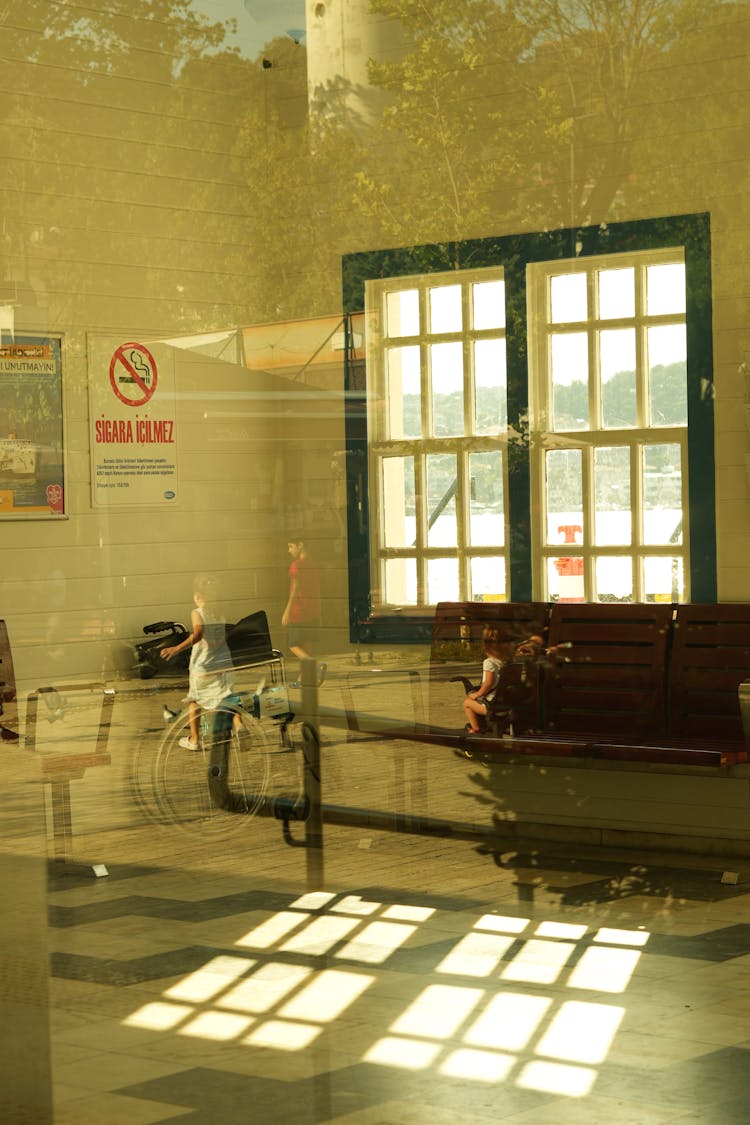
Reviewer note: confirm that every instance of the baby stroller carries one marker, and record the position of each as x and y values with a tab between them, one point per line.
249	642
239	763
148	660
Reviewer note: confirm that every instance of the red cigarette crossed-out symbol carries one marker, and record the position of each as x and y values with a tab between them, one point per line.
132	373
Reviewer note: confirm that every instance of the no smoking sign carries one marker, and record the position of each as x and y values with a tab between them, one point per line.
132	373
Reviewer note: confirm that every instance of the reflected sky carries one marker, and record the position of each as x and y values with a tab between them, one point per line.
258	21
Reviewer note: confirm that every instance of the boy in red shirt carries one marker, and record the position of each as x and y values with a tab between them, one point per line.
301	614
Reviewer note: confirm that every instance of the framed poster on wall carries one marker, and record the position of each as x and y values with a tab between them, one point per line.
32	452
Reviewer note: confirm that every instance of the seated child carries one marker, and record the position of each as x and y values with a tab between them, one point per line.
475	703
497	653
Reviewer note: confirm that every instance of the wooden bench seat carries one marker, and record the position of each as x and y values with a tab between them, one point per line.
561	746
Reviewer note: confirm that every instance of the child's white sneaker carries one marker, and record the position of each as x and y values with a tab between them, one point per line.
188	744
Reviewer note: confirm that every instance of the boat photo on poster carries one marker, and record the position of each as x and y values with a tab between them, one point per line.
31	429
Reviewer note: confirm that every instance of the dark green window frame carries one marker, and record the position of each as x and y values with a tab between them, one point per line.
514	253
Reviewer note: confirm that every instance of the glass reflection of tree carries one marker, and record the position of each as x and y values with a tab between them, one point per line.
529	115
96	154
201	179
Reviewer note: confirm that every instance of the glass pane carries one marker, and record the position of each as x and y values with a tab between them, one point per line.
612	496
614	580
400	577
402	313
488	580
442	581
667	368
663	580
486	500
447	374
490	386
569	360
662	494
665	289
442	529
616	293
565	582
488	301
404	399
399	514
445	309
568	299
617	367
564	496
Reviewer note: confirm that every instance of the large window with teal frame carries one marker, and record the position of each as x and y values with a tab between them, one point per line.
534	419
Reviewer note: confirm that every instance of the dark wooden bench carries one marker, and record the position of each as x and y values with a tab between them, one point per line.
639	682
8	713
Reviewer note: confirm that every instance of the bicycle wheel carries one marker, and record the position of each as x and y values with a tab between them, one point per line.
214	788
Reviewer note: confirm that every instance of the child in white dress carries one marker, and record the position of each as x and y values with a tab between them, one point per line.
210	659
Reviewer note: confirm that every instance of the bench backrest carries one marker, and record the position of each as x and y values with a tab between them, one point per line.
457	627
710	659
613	680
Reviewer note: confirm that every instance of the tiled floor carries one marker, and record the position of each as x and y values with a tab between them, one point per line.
219	978
422	984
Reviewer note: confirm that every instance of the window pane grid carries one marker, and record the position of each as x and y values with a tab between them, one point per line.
442	374
577	558
609	378
611	385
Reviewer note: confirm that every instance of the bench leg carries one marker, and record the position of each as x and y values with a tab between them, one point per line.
62	835
62	821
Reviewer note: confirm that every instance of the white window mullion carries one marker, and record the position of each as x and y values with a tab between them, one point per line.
588	514
463	508
422	516
636	518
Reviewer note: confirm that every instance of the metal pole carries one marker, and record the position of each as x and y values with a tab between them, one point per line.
312	776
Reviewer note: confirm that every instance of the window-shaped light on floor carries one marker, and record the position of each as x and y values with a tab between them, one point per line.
266	988
539	962
477	1066
406	1054
555	1078
320	935
327	996
508	1022
211	979
476	955
581	1032
159	1017
271	931
438	1012
219	1026
376	942
604	970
